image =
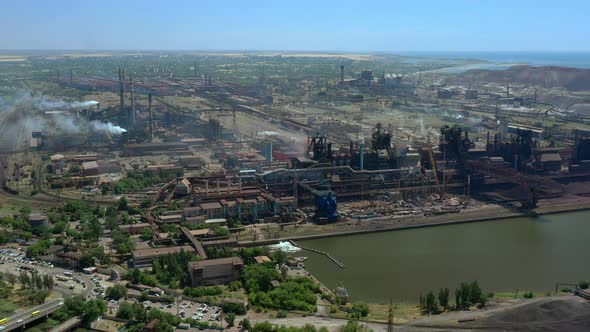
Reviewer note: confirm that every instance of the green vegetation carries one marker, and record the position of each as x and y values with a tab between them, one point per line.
229	319
116	292
141	316
292	294
234	308
359	310
77	305
528	295
353	326
466	295
202	291
136	180
268	327
170	270
35	288
584	284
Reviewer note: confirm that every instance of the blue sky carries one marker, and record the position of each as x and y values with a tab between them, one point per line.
362	25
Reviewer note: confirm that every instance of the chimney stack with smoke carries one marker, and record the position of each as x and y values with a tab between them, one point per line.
151	117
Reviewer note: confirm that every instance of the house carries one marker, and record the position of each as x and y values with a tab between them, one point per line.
215	271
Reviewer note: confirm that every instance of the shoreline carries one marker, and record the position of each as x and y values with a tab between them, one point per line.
430	221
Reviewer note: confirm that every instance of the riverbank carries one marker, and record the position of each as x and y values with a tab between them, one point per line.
386	224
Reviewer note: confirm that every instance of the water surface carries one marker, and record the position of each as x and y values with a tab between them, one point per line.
503	255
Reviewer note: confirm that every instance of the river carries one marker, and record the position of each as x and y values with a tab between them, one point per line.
503	255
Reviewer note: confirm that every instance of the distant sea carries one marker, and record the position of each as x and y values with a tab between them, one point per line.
502	60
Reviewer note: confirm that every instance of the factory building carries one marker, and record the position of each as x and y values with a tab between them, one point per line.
215	271
134	229
145	257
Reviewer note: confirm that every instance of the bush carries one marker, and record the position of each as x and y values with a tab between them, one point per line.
362	309
281	314
528	295
566	290
202	291
584	284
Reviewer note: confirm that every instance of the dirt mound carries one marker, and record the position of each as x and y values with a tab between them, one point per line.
554	310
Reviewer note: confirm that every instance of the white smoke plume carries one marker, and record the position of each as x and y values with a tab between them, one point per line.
109	127
44	104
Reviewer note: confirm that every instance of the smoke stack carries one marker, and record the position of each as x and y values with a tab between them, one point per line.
341	74
121	91
507	90
132	112
151	117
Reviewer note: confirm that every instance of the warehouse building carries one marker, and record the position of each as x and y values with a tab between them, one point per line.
145	257
215	271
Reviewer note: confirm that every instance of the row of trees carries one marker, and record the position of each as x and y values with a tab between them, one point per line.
35	287
466	295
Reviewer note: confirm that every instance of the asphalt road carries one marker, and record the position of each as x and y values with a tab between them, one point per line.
25	316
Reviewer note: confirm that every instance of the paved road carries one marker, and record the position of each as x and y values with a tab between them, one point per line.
24	317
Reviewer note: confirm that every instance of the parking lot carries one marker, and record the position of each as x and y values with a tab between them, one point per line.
185	309
65	281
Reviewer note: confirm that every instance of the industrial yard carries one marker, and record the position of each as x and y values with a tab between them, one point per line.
200	156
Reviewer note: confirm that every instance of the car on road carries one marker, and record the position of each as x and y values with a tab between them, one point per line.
20	320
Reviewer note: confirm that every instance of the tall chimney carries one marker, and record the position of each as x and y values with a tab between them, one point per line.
132	111
121	91
341	74
151	117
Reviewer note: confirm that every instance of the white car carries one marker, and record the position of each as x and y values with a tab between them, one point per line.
20	320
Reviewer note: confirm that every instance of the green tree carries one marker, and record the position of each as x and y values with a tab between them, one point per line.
359	310
146	234
430	303
245	324
258	277
123	204
94	309
279	256
116	292
229	319
134	275
10	278
443	298
476	294
24	279
125	310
